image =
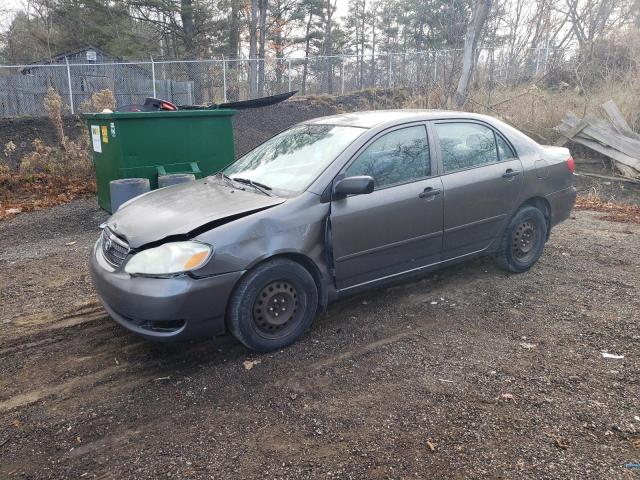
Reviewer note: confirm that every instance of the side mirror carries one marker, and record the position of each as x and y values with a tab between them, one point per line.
353	186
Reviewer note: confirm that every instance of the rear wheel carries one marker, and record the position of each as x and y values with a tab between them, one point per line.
274	304
523	240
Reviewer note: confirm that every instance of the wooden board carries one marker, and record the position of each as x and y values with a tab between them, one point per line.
622	162
624	148
569	134
618	120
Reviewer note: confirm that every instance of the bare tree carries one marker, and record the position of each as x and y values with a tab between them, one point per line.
261	45
307	46
363	34
253	48
286	16
233	48
593	19
329	10
312	8
476	23
41	9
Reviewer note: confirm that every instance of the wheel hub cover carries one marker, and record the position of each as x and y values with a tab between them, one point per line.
275	306
524	239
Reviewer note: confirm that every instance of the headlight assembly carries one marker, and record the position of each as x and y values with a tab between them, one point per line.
169	258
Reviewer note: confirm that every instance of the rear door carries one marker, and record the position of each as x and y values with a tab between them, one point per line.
481	180
397	227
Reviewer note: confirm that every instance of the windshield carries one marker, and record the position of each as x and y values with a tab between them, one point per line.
293	159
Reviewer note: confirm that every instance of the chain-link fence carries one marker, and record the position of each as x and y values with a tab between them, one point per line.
200	82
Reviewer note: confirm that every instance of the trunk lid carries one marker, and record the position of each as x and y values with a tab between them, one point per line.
554	154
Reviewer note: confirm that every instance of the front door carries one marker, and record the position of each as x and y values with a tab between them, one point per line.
397	227
481	178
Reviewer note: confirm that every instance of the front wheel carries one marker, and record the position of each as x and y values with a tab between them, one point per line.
273	305
523	240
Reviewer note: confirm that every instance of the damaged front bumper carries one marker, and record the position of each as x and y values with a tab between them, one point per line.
163	309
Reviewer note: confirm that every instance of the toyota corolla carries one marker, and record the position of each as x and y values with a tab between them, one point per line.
327	208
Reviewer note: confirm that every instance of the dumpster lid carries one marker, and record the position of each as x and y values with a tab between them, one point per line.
220	112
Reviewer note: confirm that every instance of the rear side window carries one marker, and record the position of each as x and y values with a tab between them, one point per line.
397	157
466	145
505	152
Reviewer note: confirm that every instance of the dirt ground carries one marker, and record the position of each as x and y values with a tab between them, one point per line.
467	373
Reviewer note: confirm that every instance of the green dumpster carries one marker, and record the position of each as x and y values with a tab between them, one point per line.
149	144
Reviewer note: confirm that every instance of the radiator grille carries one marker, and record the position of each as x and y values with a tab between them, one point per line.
114	249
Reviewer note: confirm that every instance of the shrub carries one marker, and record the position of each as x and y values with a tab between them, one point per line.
43	159
99	101
54	107
70	158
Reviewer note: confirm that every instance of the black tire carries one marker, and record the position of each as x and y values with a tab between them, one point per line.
523	240
273	305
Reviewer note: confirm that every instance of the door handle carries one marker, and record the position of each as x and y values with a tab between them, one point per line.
429	192
510	173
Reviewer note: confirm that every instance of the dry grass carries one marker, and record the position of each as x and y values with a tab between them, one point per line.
536	110
69	158
50	174
99	101
614	212
54	107
532	109
9	149
27	192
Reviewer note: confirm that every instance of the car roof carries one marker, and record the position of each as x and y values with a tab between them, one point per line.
374	118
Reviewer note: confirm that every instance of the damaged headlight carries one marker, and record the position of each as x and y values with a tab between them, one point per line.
170	258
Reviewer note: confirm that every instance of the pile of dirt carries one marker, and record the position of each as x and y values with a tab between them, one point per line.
23	131
252	126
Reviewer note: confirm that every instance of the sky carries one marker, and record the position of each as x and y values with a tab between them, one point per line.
11	6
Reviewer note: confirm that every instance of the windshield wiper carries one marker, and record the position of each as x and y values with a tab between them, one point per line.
227	178
261	187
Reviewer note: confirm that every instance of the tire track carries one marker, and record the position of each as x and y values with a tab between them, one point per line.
43	324
60	389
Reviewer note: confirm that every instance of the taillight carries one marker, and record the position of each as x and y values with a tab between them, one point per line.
571	165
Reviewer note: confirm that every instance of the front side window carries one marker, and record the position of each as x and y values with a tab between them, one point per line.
466	145
291	161
397	157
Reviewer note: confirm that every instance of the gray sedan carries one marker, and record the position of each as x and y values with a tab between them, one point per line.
327	208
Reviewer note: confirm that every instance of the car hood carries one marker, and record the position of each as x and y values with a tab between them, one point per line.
181	209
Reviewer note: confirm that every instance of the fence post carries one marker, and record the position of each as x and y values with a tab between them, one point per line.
342	77
289	71
224	79
389	58
153	76
69	85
